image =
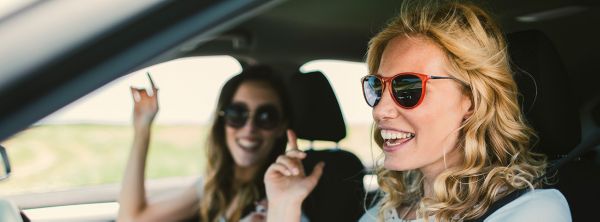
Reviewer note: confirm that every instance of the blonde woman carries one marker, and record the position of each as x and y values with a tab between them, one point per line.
447	118
246	136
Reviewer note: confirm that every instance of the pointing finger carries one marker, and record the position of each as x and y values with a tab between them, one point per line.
296	154
292	140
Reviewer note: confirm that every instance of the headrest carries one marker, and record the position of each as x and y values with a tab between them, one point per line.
546	98
316	112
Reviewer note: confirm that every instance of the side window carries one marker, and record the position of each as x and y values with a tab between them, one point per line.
88	142
344	78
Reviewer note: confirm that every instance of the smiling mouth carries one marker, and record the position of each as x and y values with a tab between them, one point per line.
249	145
393	138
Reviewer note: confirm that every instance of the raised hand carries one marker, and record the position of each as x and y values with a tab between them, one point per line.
286	183
145	105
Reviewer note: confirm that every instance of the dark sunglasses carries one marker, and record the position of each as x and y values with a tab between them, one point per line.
407	89
237	114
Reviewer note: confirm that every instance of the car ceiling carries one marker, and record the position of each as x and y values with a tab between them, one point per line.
296	32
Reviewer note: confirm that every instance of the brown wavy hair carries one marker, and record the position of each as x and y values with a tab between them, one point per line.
219	193
494	141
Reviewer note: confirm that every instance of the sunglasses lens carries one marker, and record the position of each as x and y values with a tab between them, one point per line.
267	117
407	89
236	115
372	89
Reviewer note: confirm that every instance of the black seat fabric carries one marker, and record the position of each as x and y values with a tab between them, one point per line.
317	116
552	111
548	102
340	192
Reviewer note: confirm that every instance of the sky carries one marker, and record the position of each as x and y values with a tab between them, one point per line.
189	89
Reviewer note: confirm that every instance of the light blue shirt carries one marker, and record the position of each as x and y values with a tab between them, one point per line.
548	205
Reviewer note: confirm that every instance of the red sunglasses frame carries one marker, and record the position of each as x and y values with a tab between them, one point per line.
387	83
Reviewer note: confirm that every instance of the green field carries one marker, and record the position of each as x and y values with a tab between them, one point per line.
59	157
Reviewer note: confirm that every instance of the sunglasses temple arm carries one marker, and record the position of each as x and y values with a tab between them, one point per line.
442	77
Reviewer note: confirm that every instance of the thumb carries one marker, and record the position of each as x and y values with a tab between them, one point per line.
315	175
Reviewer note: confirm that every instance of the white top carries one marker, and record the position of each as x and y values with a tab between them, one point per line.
547	205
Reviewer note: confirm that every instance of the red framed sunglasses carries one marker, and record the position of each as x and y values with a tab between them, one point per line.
407	89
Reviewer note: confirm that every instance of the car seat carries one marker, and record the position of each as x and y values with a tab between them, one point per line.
317	116
551	109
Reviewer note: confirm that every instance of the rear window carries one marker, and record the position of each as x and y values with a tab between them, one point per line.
88	142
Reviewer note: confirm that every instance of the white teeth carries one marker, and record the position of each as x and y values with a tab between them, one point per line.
247	143
388	135
392	144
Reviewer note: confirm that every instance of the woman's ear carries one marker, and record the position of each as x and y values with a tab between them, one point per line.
467	106
468	114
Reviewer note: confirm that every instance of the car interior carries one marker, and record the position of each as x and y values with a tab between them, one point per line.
539	72
317	117
553	46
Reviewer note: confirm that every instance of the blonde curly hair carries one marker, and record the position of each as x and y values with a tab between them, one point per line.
494	141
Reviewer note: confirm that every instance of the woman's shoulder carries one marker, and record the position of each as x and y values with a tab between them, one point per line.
536	205
370	214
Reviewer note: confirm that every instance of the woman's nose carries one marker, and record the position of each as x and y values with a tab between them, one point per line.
386	108
250	125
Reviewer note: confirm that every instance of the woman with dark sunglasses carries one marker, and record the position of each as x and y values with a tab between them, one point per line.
247	134
448	121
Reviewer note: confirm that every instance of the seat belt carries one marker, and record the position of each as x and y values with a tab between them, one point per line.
589	143
500	203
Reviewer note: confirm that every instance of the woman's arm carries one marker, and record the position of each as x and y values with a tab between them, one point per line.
287	185
133	203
